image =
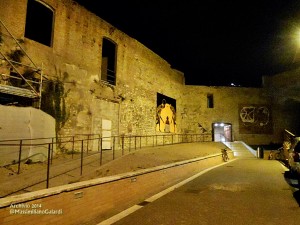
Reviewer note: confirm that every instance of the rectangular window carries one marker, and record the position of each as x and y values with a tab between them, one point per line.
108	66
39	22
210	101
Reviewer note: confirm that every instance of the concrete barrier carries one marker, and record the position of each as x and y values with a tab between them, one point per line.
25	123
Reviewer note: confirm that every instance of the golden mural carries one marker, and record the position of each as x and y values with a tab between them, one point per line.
165	114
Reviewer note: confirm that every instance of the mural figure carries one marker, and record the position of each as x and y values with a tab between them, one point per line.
159	120
167	125
166	115
173	117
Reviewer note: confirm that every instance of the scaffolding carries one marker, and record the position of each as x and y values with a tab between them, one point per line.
20	78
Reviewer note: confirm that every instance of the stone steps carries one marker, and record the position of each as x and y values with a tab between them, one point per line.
241	149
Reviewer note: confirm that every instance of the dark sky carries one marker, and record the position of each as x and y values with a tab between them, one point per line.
213	42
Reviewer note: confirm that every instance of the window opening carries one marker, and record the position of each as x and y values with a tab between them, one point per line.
108	70
39	22
210	101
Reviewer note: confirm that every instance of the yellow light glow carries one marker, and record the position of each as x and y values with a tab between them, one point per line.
298	37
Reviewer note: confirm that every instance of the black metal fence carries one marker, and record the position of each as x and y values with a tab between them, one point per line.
82	150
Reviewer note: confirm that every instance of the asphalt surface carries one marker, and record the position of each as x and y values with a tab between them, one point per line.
244	191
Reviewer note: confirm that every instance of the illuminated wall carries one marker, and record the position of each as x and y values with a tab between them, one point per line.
134	103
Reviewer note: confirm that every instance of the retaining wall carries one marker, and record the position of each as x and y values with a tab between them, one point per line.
98	199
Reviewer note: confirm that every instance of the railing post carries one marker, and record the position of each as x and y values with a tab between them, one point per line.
113	148
52	143
135	142
122	145
73	142
20	152
98	142
48	166
129	143
81	161
141	141
146	141
87	144
101	151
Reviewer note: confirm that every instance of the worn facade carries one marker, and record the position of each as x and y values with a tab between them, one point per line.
115	85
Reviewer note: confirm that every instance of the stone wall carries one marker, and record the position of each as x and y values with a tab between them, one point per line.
285	93
75	58
225	110
131	104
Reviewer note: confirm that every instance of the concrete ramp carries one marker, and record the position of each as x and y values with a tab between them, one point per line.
241	150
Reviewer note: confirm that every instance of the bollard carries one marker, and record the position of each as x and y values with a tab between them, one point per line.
260	152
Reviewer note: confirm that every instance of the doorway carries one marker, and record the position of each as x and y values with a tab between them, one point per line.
222	132
106	134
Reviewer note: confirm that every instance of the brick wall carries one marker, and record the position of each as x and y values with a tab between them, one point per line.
99	199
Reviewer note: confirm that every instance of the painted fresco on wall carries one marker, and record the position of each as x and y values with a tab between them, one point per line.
165	114
255	119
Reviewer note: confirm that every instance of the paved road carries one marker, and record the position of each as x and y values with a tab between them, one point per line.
244	191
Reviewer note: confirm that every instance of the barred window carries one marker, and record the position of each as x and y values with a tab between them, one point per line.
108	66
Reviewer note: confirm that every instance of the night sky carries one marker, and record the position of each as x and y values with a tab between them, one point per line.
214	42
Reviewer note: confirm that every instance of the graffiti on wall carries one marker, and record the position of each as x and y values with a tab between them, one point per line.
165	114
255	119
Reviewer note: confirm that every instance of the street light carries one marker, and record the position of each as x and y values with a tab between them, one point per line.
297	42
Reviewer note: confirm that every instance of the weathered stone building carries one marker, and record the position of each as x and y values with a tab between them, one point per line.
112	83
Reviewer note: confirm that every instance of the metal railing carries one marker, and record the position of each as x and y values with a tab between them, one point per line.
76	152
